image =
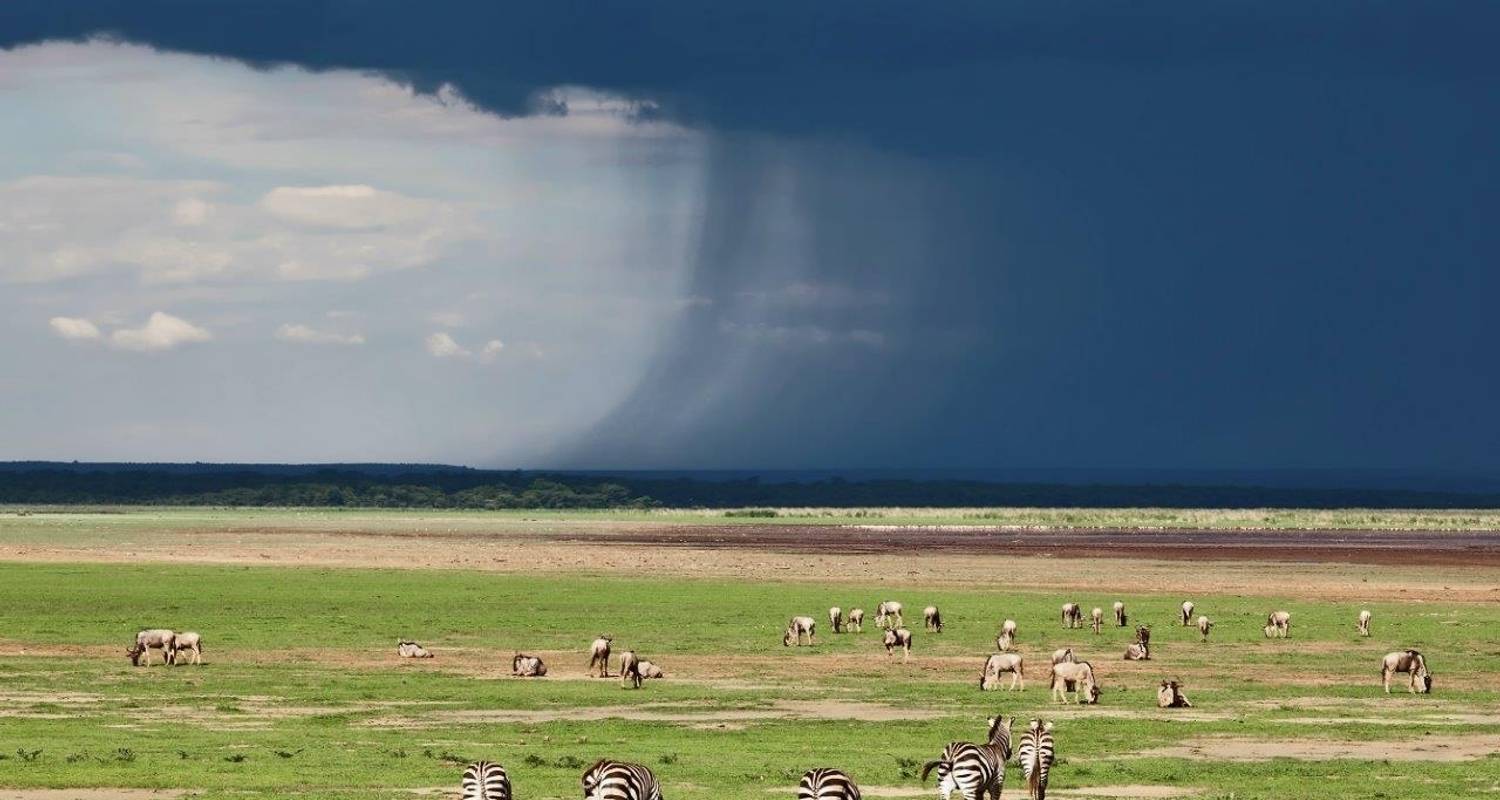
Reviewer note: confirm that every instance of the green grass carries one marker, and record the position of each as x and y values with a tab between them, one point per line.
322	722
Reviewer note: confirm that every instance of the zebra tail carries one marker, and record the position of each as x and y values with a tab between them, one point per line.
929	767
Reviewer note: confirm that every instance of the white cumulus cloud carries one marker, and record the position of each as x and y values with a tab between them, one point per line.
74	328
441	345
354	207
491	349
161	332
308	335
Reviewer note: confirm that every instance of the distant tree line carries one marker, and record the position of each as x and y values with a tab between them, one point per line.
387	486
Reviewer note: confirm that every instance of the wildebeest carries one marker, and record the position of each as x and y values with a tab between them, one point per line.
1003	642
650	670
888	614
1120	618
1077	677
1096	619
1278	624
932	619
1411	662
599	655
409	649
1072	615
898	637
796	627
153	639
1204	626
998	664
836	619
190	642
1187	612
630	670
1362	624
1140	650
1063	654
527	666
1008	627
857	620
1170	695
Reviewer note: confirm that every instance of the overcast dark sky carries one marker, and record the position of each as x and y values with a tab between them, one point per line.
1196	235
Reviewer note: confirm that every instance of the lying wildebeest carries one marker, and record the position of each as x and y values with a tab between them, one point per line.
996	665
1170	695
650	670
190	642
1410	662
409	649
527	666
1141	649
599	656
153	639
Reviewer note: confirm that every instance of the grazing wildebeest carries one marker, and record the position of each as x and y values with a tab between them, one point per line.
1096	619
898	637
599	654
153	639
1410	662
998	664
1072	615
1064	654
409	649
1278	624
1077	676
796	627
527	666
1120	618
888	614
191	642
836	619
1363	623
1204	626
932	619
1170	695
630	670
1187	613
857	620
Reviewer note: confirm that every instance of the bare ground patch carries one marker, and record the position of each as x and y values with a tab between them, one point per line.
1428	748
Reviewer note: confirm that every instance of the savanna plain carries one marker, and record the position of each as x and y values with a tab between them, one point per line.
302	694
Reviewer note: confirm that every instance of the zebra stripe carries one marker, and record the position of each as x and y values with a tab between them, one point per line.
616	780
974	770
1036	752
827	784
485	780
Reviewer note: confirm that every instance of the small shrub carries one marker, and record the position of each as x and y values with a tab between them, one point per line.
236	758
28	755
124	754
669	758
534	760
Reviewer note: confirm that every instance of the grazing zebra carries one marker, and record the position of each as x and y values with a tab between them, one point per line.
616	780
899	637
1410	662
485	780
191	642
1120	618
998	664
1096	618
888	614
153	639
857	620
1003	642
796	627
1077	677
827	784
599	655
1036	751
409	649
1072	616
630	670
932	619
836	619
974	770
1062	655
1187	612
526	666
1363	623
1278	624
1170	695
1204	626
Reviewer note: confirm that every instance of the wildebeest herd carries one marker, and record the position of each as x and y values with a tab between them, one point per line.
973	770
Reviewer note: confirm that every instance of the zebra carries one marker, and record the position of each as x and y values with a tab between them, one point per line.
974	770
796	627
617	780
1278	624
827	784
1096	619
485	780
630	670
856	620
1072	616
1187	612
1036	751
884	613
599	655
900	637
1410	662
1120	618
932	619
1363	623
836	619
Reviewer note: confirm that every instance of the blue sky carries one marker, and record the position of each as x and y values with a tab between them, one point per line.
668	235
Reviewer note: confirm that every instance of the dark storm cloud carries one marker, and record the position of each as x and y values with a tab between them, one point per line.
1192	235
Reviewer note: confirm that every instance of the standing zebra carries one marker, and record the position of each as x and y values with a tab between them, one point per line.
1120	617
974	770
485	780
836	619
827	784
1036	751
617	780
